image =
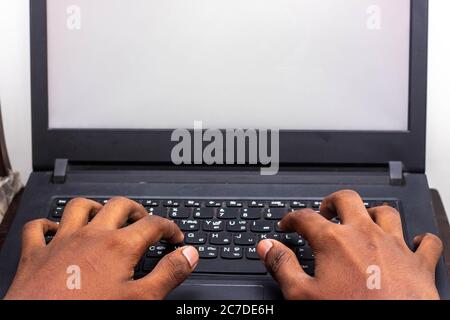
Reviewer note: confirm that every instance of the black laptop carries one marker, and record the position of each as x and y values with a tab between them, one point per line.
328	95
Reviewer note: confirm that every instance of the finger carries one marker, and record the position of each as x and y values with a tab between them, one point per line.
33	234
307	223
346	204
429	249
388	219
282	263
168	274
77	214
151	229
117	212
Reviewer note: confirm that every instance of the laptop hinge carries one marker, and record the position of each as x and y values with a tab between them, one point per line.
60	171
396	173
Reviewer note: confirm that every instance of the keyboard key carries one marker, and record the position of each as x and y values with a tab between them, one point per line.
272	236
204	213
157	211
58	212
171	203
251	254
102	201
208	252
298	205
245	239
275	213
316	204
256	204
232	253
251	214
308	267
150	264
179	213
149	203
213	225
193	238
305	253
189	225
237	226
158	251
192	204
336	220
62	202
234	204
48	239
214	204
277	204
228	213
292	240
261	226
220	238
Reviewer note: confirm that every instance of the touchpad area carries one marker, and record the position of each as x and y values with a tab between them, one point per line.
211	291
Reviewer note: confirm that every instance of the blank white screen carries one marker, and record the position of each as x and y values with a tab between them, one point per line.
285	64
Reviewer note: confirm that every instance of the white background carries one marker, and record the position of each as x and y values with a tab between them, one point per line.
15	90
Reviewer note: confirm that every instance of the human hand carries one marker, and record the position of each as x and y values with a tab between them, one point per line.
367	241
104	252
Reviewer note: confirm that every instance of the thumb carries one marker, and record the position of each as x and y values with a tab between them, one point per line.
168	274
282	263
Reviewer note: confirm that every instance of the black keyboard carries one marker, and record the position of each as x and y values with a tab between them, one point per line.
225	232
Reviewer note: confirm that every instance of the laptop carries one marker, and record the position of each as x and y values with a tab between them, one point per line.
225	115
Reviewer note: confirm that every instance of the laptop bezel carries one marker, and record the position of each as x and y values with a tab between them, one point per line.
297	147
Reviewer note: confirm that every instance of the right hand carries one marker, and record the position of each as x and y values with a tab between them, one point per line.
346	254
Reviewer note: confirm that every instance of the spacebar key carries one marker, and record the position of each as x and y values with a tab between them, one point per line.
222	266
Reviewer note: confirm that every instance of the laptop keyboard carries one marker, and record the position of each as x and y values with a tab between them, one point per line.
225	232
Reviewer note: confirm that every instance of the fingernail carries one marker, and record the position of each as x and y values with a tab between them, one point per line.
265	245
191	255
279	225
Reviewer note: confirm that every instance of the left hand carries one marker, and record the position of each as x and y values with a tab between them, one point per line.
103	253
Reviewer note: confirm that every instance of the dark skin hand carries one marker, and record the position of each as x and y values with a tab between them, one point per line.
107	253
346	253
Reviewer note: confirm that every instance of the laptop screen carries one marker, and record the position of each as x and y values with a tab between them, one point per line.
283	64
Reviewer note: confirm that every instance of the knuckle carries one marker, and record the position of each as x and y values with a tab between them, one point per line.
121	200
297	216
161	224
302	212
344	194
155	219
77	202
